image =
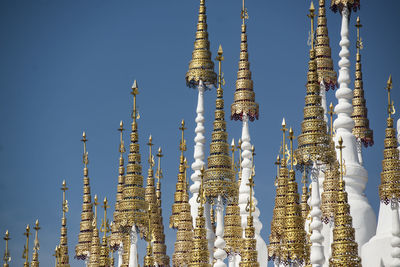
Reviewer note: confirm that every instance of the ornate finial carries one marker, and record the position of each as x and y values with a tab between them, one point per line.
340	147
65	202
244	15
331	112
233	149
151	157
250	207
291	137
105	225
35	256
200	197
159	171
359	44
135	92
85	153
201	67
182	144
220	58
26	247
121	141
391	109
6	257
63	246
311	15
284	129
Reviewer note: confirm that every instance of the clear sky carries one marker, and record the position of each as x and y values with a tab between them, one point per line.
67	67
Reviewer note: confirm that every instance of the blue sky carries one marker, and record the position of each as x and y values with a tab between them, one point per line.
67	67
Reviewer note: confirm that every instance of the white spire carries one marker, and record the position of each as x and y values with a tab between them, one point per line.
220	254
395	242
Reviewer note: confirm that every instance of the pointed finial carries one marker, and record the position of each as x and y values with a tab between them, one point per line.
311	15
95	203
244	15
359	44
391	110
331	113
85	153
26	248
291	137
159	171
284	129
64	188
200	198
36	242
121	141
151	158
284	124
220	58
105	227
7	257
340	147
135	92
182	146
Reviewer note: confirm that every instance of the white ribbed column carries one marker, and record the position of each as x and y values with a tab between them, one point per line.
120	252
133	255
219	254
199	156
356	177
234	260
317	257
244	194
395	242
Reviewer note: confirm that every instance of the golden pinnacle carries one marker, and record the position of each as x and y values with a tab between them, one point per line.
150	141
220	54
312	9
84	140
37	225
283	123
95	200
121	126
291	135
135	88
358	24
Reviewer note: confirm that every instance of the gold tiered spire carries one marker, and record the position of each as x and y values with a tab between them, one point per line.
181	196
313	142
82	249
6	257
94	258
219	178
104	260
248	251
233	230
305	208
132	207
323	51
244	98
116	234
278	217
35	256
148	259
340	4
63	260
294	235
150	193
182	218
361	128
200	256
344	247
389	189
159	247
201	67
25	254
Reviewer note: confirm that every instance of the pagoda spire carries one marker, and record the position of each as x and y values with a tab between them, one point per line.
35	256
132	215
94	258
25	254
104	259
150	193
294	235
244	108
116	234
344	246
159	248
149	259
389	189
361	128
326	73
200	256
249	249
82	249
63	260
6	257
305	208
181	216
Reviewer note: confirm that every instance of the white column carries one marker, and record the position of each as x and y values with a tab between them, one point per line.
356	177
120	252
317	257
133	261
395	242
199	156
244	194
220	254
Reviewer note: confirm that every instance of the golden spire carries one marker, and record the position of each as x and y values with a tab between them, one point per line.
313	142
63	246
389	189
305	208
148	259
248	250
325	69
344	247
244	97
312	16
233	230
294	235
181	196
331	112
201	66
159	247
104	260
25	254
181	217
361	128
116	234
94	259
150	193
200	256
82	249
133	204
219	178
340	4
35	256
6	257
